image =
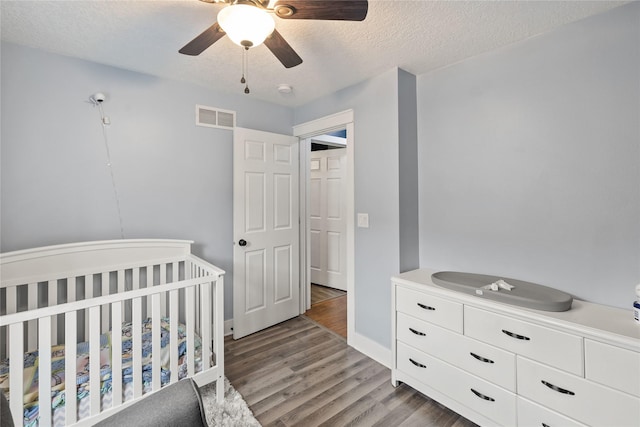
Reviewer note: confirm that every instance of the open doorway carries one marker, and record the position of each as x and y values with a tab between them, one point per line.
305	132
326	229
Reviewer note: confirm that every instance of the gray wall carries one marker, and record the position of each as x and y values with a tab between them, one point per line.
375	105
408	173
174	179
530	160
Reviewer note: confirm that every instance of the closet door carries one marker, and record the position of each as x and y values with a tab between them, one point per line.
327	208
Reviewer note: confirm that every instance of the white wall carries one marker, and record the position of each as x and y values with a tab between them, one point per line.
530	160
174	179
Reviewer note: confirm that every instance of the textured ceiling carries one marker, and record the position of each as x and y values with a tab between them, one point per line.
417	36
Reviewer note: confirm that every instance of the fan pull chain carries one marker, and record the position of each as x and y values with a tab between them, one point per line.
242	80
245	69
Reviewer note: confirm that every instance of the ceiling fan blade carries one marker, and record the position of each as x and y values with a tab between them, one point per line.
338	10
203	41
281	49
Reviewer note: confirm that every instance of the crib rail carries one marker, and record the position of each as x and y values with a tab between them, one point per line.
178	286
57	291
45	277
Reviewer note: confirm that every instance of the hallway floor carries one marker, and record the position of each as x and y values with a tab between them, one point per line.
329	309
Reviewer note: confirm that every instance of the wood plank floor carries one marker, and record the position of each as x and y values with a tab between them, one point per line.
298	373
329	308
321	293
331	314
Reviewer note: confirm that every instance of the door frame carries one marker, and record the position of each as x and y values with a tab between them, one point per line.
304	131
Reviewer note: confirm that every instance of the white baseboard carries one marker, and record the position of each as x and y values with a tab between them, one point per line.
371	349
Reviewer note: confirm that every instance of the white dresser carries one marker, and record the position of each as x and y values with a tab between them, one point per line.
498	364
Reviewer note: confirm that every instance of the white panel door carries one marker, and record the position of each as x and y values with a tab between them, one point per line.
327	213
266	230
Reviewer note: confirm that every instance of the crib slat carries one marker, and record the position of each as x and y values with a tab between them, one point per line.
88	286
190	311
163	280
175	272
12	299
94	359
121	281
121	288
135	283
71	297
16	364
135	278
32	328
12	306
70	354
52	299
175	309
116	354
44	370
105	308
71	289
148	284
136	350
197	301
218	307
173	335
88	294
155	342
205	324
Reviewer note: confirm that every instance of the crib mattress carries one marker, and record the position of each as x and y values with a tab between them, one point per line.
58	380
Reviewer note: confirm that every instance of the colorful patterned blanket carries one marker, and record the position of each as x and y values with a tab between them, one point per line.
58	380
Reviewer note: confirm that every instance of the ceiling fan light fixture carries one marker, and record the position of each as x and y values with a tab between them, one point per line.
246	25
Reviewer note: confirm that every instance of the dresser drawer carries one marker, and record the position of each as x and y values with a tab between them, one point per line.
475	393
555	348
533	415
483	360
612	366
576	397
439	311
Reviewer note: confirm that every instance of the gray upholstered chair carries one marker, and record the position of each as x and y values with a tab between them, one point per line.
175	405
5	413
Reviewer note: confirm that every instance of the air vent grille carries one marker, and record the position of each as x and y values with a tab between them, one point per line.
215	117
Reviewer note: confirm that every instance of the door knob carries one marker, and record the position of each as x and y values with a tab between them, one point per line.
242	242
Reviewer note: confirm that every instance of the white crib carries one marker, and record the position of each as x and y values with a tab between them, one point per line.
93	291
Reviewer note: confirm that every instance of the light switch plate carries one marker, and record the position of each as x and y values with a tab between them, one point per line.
363	220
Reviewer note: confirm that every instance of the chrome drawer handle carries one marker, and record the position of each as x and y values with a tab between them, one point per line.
426	307
516	336
482	396
422	334
419	365
558	389
482	359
